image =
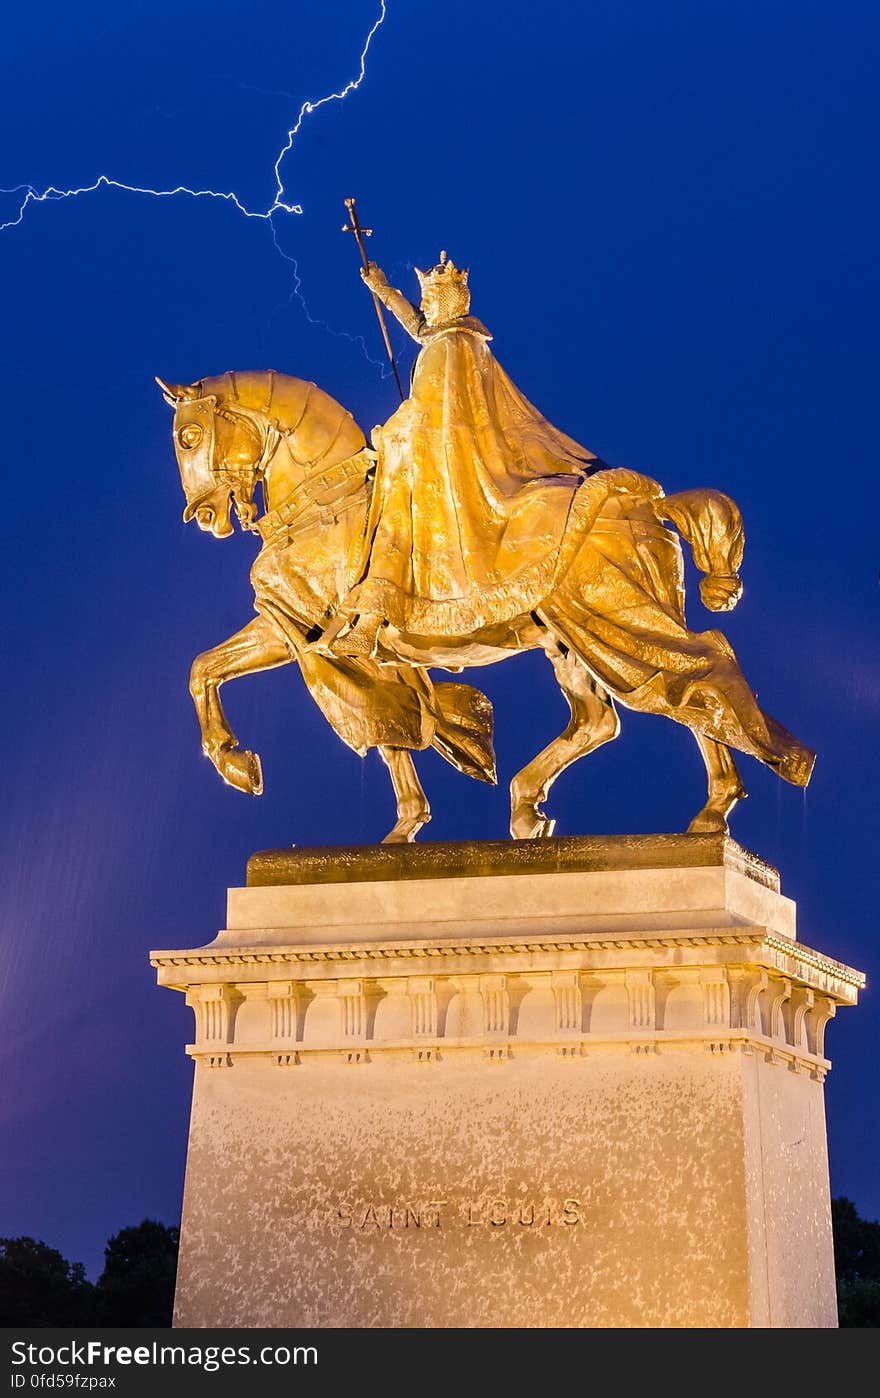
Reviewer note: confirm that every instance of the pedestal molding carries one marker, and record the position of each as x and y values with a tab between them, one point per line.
573	1046
799	961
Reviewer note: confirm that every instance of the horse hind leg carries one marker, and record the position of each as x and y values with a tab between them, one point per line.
725	787
593	722
413	810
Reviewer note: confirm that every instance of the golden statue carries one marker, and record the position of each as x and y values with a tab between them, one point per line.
472	531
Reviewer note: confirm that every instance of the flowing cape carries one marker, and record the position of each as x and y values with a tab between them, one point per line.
472	495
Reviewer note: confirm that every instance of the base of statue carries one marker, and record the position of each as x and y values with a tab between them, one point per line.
575	1082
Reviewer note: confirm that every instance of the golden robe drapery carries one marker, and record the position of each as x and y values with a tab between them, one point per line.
472	494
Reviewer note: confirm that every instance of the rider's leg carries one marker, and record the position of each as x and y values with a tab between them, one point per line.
256	647
593	722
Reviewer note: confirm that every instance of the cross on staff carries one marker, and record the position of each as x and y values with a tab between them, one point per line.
360	233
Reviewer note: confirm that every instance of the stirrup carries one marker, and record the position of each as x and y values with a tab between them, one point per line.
359	641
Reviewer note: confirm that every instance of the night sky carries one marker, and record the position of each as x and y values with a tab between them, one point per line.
670	216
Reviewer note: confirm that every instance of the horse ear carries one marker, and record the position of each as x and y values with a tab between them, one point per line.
178	392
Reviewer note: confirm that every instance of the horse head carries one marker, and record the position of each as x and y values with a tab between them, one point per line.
226	433
221	453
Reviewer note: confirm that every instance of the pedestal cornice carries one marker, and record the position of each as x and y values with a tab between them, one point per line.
656	942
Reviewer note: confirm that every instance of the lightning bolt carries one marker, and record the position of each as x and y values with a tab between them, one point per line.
279	205
296	291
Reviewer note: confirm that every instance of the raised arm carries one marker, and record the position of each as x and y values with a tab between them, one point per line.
410	316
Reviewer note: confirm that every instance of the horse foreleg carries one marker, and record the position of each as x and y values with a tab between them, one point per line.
593	722
725	787
256	647
413	810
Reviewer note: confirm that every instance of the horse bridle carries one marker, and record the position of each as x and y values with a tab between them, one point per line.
246	478
240	480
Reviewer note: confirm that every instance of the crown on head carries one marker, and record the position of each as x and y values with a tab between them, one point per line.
444	274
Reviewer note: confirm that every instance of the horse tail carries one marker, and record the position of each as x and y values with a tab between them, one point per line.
712	525
464	729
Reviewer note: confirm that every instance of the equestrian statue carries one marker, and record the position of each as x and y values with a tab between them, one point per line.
470	531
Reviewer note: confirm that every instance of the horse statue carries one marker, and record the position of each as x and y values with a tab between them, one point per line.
610	615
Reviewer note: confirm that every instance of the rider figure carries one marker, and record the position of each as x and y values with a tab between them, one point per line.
473	486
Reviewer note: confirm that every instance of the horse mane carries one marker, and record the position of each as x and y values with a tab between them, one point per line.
291	405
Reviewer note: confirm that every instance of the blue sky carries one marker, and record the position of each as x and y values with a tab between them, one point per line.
670	215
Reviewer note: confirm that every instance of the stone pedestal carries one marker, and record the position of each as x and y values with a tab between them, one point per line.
568	1083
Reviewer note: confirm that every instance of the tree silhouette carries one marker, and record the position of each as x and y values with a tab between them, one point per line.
39	1287
136	1286
857	1264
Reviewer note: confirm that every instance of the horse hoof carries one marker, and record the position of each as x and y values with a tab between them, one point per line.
242	770
709	823
531	824
406	829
